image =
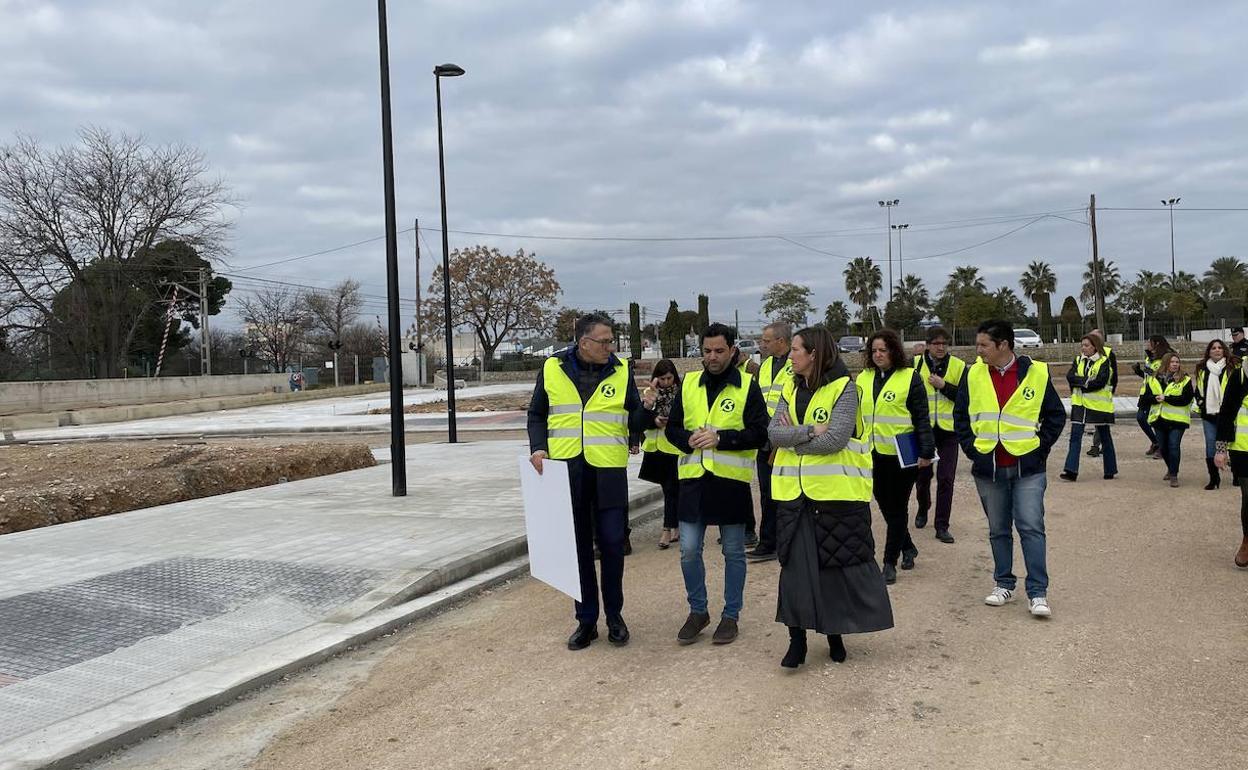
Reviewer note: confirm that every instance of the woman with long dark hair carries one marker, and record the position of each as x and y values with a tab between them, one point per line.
1212	377
1091	404
821	481
893	405
1171	412
658	464
1154	348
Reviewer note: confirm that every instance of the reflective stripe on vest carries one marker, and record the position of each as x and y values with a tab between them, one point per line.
1165	411
1016	426
1150	368
939	407
1240	444
1202	374
599	428
727	413
885	415
772	383
1097	400
843	475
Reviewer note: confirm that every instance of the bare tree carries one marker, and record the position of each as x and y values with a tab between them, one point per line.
277	321
495	294
99	204
336	309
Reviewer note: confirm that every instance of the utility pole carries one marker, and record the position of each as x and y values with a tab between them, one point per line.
1096	270
205	347
1170	204
888	231
420	341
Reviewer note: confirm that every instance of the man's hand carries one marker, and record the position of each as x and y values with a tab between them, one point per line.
924	462
704	438
535	460
936	382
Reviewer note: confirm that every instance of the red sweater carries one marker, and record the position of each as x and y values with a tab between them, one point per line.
1005	384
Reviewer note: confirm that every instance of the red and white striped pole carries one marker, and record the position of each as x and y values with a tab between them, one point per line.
164	340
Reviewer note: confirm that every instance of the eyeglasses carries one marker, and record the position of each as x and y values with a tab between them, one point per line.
604	341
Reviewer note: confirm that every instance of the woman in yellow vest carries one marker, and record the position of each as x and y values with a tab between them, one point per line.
1091	404
1211	380
821	480
1232	449
1171	411
1154	348
892	401
658	463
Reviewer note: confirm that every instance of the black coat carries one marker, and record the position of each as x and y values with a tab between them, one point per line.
1184	398
1100	381
1232	400
711	499
842	530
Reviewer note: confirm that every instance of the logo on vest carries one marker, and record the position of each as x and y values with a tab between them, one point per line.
890	396
820	415
608	390
727	405
1029	393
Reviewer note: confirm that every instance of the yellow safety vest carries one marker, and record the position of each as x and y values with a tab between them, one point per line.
1016	427
843	475
1150	369
1202	374
727	413
1240	444
599	428
772	382
1096	400
1164	411
656	441
887	415
940	407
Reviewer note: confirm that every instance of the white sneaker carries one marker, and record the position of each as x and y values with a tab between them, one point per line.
1040	607
999	597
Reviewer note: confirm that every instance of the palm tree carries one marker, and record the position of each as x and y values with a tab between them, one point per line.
910	290
1038	283
1111	281
1226	277
1184	281
965	280
863	282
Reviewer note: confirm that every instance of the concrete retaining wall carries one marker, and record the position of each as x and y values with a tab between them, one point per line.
59	395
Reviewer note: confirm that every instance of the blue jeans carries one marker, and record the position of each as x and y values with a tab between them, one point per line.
1169	445
1013	502
1211	438
1107	449
1141	417
694	569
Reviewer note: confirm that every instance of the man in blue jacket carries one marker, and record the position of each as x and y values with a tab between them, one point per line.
1007	417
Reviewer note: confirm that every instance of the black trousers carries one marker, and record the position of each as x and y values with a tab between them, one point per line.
767	506
611	527
893	485
671	503
945	471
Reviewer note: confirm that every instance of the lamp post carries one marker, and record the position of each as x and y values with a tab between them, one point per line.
398	453
1170	203
888	206
901	270
439	72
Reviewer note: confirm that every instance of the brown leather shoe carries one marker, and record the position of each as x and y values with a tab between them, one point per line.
1241	558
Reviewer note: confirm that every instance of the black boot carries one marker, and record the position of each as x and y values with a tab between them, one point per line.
1215	478
796	655
836	648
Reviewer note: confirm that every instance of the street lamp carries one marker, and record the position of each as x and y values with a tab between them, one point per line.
888	206
439	72
398	452
1170	203
901	270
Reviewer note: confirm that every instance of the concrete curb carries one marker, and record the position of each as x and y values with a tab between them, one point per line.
135	717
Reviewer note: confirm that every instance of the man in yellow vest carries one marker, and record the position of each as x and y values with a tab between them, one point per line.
719	422
942	375
774	373
1007	417
586	411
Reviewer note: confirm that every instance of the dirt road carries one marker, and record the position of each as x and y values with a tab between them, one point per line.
1144	664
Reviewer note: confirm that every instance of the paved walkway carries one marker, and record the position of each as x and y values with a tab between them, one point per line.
330	414
104	623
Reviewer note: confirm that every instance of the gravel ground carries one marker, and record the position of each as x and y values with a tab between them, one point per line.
1143	665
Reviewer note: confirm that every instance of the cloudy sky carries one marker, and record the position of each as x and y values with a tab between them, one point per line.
674	119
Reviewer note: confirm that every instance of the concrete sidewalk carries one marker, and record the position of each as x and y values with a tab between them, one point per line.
113	628
349	414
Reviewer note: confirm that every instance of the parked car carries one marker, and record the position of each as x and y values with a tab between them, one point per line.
748	347
851	343
1026	338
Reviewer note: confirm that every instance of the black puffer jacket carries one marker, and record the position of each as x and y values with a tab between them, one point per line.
842	531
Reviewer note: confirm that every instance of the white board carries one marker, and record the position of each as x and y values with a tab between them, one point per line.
548	523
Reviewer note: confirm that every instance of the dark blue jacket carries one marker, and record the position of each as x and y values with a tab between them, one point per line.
1052	420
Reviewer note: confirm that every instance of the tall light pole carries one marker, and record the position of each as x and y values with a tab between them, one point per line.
398	453
439	72
1170	203
901	266
888	206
